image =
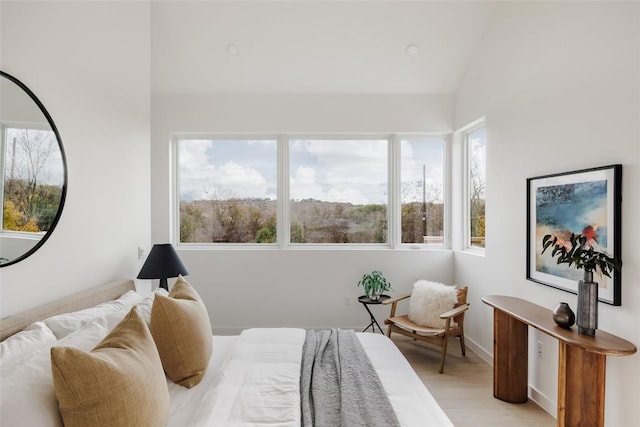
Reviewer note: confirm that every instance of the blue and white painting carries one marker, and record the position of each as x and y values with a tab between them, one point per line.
580	202
570	208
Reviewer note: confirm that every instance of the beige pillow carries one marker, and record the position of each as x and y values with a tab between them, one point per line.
119	383
182	331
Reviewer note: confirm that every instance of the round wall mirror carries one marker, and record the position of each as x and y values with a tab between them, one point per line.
33	183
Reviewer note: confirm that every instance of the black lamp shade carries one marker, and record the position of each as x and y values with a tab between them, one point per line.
162	262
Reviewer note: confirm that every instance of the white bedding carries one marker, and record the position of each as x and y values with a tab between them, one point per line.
253	380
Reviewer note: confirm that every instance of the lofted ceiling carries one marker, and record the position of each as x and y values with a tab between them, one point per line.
301	47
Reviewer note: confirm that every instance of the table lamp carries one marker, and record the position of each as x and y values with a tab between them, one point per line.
162	262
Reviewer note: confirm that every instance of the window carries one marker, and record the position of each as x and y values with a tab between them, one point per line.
227	190
422	190
33	178
476	167
382	190
338	190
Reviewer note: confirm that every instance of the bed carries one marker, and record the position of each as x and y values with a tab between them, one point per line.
252	379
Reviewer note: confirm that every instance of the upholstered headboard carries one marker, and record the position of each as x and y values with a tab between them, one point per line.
83	299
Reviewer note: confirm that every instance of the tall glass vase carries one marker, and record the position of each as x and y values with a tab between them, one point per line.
587	310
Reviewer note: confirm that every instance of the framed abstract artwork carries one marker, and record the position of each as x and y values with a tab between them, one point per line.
586	201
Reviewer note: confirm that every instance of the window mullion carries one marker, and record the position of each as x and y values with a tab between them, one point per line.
394	214
283	203
174	215
446	196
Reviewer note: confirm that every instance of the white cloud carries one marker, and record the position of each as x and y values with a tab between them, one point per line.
202	180
339	171
331	170
303	185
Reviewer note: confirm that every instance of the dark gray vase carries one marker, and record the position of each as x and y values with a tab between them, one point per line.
587	310
564	316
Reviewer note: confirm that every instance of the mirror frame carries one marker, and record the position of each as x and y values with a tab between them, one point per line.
63	195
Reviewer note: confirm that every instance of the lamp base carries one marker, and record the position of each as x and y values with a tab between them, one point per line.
164	285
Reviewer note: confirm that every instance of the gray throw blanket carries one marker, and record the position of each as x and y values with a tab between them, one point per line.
339	386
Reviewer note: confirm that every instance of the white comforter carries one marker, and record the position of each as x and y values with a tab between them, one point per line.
254	380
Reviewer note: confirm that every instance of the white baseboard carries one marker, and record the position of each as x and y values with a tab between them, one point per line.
543	401
480	351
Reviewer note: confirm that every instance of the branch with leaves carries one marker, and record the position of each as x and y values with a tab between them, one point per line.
579	250
374	283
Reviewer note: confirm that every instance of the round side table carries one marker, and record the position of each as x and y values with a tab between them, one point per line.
366	301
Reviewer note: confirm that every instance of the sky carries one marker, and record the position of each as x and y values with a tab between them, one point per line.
414	154
352	171
227	169
478	155
41	147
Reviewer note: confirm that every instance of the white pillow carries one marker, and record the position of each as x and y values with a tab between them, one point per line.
16	347
110	320
63	324
429	300
144	307
28	395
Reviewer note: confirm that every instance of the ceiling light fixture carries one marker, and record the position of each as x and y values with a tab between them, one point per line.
233	49
411	49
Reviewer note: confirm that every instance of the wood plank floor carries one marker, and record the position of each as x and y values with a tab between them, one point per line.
465	389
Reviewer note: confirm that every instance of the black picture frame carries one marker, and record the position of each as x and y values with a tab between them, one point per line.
566	203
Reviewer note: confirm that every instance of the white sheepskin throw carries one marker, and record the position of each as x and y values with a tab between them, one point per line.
429	300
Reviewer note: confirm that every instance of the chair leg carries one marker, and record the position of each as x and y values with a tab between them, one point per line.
462	346
444	352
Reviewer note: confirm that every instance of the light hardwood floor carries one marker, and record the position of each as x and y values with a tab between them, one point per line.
465	389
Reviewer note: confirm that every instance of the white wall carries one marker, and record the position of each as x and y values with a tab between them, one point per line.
559	86
88	62
302	288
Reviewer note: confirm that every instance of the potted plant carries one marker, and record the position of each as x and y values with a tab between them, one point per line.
583	252
374	284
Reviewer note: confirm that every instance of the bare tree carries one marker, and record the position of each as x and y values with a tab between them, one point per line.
28	153
477	187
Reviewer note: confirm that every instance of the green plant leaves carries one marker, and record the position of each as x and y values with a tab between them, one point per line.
579	252
374	283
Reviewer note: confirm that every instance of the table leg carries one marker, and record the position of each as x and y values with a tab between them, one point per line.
373	323
581	385
510	358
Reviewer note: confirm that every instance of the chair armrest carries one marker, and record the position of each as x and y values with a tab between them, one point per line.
394	304
454	312
395	299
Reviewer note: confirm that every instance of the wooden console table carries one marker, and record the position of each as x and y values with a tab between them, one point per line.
581	360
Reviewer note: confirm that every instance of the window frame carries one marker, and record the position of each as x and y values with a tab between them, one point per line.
175	186
446	183
338	137
26	235
467	131
394	235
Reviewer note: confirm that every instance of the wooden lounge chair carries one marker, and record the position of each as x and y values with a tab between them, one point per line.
437	336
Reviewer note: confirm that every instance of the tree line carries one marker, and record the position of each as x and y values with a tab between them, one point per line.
312	221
